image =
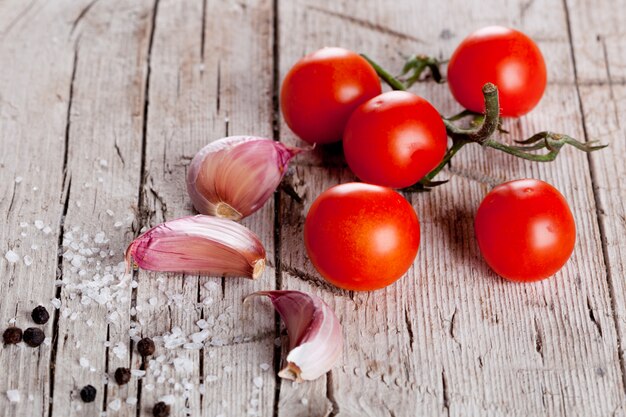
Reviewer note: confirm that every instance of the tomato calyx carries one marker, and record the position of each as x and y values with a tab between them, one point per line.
416	65
482	126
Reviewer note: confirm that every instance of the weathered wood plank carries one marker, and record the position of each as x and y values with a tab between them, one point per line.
104	154
34	94
207	81
600	59
450	338
472	343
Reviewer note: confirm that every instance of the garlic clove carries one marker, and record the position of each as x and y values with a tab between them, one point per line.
315	334
199	245
233	177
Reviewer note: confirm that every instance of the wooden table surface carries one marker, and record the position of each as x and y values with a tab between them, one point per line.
102	105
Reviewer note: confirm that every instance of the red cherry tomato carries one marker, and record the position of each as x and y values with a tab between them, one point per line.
394	139
525	230
361	236
320	92
505	57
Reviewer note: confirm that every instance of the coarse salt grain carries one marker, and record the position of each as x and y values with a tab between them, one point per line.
28	261
56	303
304	401
168	399
152	301
120	350
115	404
84	362
257	381
18	179
13	395
138	373
39	224
200	337
211	378
12	257
264	366
47	230
131	400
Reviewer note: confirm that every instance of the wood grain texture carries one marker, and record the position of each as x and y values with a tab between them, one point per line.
114	98
472	344
202	87
600	62
104	142
34	96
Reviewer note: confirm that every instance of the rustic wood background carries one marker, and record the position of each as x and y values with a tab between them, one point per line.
102	105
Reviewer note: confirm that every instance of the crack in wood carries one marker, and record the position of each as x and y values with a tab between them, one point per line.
81	15
316	281
610	79
161	200
119	153
203	34
65	198
330	394
409	328
275	125
201	353
593	317
598	205
367	24
219	87
12	197
142	212
451	329
105	389
538	338
444	393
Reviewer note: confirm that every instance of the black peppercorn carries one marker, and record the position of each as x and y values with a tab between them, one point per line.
12	336
33	336
145	346
122	376
88	393
161	409
40	315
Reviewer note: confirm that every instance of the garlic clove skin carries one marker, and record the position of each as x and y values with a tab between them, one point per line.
233	177
199	245
315	334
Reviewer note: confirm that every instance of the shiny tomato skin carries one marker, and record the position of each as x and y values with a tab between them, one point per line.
321	90
525	230
394	139
360	236
506	57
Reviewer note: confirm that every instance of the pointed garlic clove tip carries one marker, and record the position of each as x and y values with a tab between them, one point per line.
233	177
315	334
199	245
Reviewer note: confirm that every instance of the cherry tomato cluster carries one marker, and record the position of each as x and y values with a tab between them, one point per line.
365	236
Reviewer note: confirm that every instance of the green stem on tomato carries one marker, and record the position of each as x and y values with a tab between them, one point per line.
457	144
481	134
392	81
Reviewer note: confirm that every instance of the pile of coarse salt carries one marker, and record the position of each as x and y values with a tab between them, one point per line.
94	276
